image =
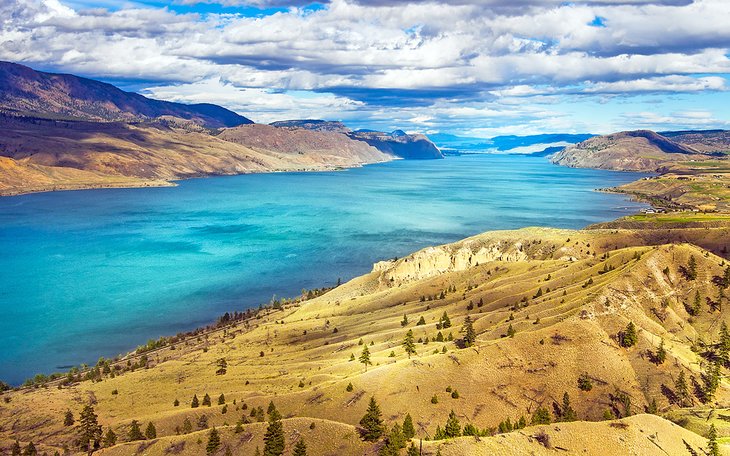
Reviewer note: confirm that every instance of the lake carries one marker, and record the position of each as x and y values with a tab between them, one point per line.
97	272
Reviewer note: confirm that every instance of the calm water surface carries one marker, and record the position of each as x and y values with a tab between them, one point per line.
98	272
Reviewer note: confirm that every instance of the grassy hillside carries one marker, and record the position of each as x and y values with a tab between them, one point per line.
47	154
566	295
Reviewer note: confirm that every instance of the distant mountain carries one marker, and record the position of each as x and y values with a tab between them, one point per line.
398	142
536	144
64	96
313	125
640	150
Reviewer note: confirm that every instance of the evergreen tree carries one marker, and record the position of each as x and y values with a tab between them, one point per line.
681	389
439	434
15	449
404	322
711	378
349	387
110	438
365	357
724	345
195	403
566	412
89	429
187	427
408	344
541	416
452	428
470	336
692	268
221	399
511	331
713	449
628	337
274	437
300	449
206	400
151	431
214	442
421	322
135	433
445	322
661	354
372	422
408	430
68	419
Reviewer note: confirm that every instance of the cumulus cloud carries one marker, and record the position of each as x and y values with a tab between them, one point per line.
382	55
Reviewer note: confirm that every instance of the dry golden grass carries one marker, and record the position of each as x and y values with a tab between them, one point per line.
567	330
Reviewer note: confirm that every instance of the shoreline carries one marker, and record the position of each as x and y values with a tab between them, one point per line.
132	354
134	183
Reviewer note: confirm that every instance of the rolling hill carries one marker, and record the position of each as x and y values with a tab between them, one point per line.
641	150
550	311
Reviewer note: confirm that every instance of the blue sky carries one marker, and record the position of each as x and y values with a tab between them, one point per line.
467	67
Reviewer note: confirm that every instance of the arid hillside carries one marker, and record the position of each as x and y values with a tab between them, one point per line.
510	330
65	96
58	154
641	150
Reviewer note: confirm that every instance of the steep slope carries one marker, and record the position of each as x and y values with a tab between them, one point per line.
640	150
78	154
705	141
396	143
27	91
548	308
326	147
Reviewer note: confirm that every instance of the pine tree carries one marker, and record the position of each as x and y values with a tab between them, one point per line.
404	322
711	378
421	322
713	449
661	354
724	345
692	268
187	427
214	441
566	412
68	419
194	403
408	430
372	422
274	437
408	344
628	337
135	433
365	357
445	322
681	389
541	416
89	429
15	449
221	399
110	438
470	336
151	431
511	331
300	449
452	428
206	400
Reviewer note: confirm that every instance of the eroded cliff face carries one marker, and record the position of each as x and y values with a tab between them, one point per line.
506	246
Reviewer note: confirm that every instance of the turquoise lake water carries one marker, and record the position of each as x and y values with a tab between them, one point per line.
98	272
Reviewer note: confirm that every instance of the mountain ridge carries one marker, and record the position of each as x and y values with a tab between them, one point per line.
30	92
